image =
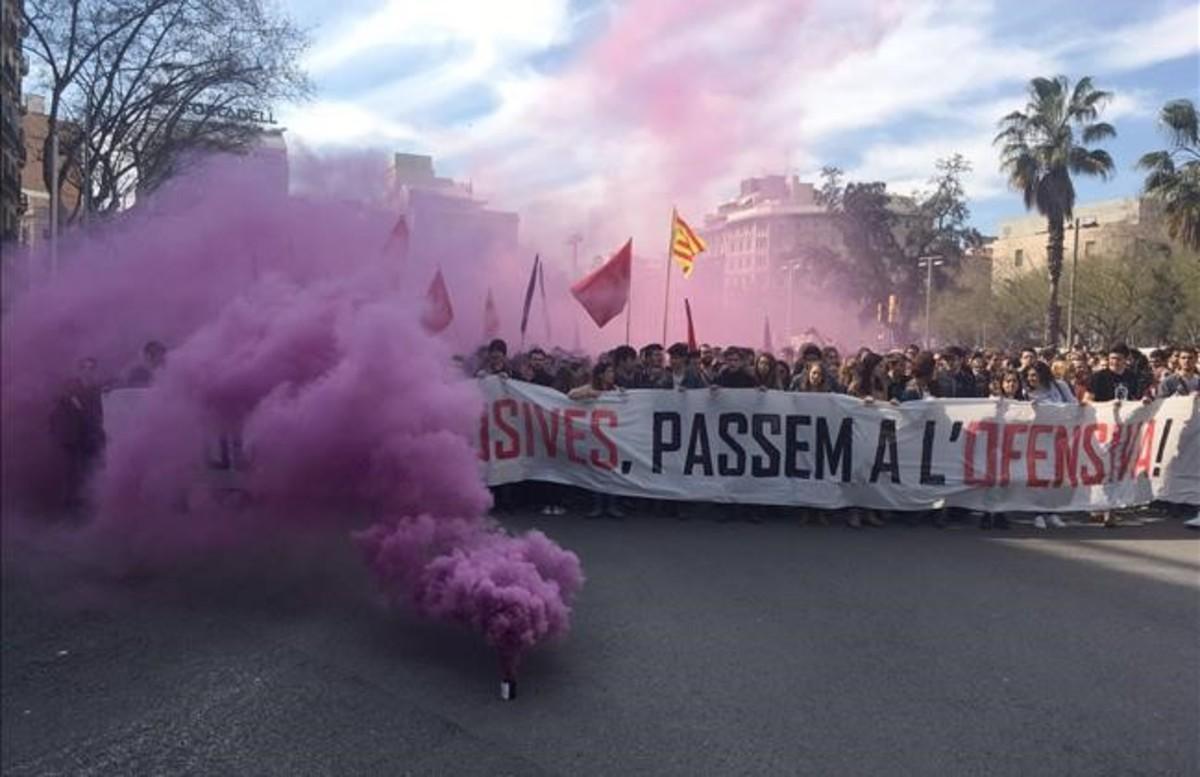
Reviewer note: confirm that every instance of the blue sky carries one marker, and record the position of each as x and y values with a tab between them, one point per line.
597	115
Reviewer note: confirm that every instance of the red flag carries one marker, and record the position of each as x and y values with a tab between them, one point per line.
767	345
604	292
687	306
398	238
438	312
533	276
491	319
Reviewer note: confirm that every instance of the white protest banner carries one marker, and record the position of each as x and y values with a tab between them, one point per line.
222	461
826	450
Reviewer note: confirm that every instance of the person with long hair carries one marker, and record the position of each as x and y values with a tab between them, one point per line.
1041	386
866	383
783	374
923	383
1008	386
765	374
813	377
867	380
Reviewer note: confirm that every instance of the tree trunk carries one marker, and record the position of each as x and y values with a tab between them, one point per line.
1054	263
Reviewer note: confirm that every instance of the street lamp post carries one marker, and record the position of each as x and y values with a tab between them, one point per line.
54	204
928	262
1074	269
791	270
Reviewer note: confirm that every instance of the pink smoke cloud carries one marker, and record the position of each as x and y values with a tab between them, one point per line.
517	592
293	330
672	104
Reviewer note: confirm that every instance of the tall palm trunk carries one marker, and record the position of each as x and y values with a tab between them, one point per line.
1054	263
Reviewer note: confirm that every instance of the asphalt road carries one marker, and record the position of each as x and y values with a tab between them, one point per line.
698	648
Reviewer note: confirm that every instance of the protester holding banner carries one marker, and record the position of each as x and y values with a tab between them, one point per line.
766	375
1008	386
681	375
954	379
652	369
1116	380
496	361
868	381
922	384
1042	386
814	377
1185	379
736	372
604	380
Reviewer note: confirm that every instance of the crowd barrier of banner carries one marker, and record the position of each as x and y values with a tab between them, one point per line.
819	450
830	451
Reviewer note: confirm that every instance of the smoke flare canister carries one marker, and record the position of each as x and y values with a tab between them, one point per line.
508	689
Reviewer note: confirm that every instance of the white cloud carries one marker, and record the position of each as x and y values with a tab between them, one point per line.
969	131
491	28
334	123
908	166
495	37
592	138
938	53
1170	36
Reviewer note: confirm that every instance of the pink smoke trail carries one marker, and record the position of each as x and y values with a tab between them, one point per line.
290	332
516	591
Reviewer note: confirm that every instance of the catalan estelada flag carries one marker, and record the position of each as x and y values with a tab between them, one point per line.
685	244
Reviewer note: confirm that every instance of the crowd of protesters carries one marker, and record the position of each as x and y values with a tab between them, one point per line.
1044	375
901	375
1031	374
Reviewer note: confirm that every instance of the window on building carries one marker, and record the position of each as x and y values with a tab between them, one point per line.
1089	248
1018	258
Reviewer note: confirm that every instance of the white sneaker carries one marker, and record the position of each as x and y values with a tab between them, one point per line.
1056	522
1193	523
1039	522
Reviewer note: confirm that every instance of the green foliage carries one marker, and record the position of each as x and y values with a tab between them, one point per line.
1173	175
884	235
1040	151
1117	299
962	312
940	227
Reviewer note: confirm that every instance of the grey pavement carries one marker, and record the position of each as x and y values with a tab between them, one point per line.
698	648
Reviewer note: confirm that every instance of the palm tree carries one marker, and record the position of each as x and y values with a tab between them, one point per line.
1040	152
1174	177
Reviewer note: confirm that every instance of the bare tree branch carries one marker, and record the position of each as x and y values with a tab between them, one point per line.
128	76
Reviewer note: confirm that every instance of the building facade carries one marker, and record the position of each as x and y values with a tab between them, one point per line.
444	217
1130	227
35	221
13	67
766	241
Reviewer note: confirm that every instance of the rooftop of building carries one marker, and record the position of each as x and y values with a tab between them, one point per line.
1126	210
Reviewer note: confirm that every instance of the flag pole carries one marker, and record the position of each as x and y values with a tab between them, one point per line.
545	310
629	302
667	293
